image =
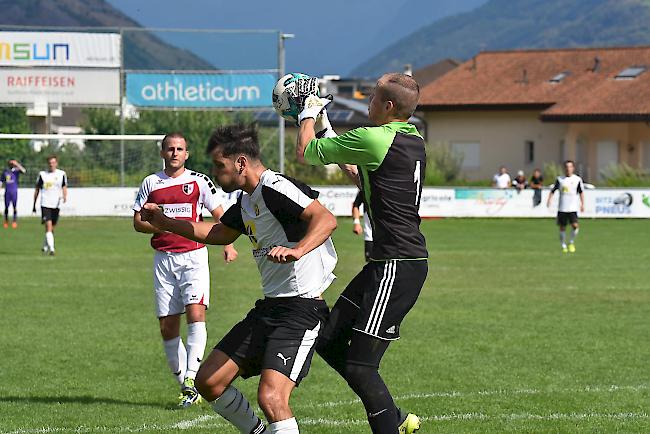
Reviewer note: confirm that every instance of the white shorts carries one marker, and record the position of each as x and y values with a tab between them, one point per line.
180	279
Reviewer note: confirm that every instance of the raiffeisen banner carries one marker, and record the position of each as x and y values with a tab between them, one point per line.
58	85
200	90
88	50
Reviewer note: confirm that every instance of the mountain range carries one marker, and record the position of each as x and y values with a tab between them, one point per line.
511	24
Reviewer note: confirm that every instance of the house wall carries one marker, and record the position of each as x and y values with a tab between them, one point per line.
502	136
630	138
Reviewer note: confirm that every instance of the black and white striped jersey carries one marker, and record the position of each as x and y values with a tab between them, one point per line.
270	217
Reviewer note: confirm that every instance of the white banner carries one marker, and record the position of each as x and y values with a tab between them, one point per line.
98	50
30	85
436	202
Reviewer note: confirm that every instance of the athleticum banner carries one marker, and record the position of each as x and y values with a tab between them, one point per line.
200	90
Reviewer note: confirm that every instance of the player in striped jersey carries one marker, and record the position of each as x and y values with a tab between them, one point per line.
290	234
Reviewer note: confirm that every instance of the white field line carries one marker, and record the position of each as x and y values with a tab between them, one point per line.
214	421
500	392
209	421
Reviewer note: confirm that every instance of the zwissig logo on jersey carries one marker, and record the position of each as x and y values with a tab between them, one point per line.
178	210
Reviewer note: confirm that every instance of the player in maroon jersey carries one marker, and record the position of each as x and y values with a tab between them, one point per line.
180	269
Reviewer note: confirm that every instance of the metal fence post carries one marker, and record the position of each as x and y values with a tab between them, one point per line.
122	107
281	67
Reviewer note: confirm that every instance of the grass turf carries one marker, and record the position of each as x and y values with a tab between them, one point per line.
509	334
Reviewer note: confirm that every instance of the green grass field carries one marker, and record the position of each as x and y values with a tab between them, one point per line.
509	334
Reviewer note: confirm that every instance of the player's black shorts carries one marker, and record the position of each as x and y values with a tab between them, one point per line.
564	218
384	292
49	214
278	334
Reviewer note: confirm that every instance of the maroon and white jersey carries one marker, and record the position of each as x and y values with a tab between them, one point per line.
182	198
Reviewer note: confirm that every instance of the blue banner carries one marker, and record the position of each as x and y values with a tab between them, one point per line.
200	90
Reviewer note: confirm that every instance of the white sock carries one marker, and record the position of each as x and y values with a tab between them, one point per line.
45	247
287	426
234	407
574	234
176	357
563	238
197	338
49	239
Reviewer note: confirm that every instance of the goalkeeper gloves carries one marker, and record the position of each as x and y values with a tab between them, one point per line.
324	127
313	106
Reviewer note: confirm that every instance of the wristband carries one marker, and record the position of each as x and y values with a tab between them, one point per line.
356	221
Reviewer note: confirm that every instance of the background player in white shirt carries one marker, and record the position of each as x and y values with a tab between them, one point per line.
289	230
181	271
52	184
572	198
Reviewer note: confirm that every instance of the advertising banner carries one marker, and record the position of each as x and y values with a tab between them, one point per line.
200	90
87	50
88	86
436	202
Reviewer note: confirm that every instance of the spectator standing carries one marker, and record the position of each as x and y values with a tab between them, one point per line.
502	179
537	183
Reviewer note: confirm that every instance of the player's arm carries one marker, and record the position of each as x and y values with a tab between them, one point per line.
37	190
19	166
581	191
356	214
321	224
201	232
356	221
360	146
556	186
229	251
145	227
64	188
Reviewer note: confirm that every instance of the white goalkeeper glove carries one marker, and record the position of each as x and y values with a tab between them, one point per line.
324	127
312	107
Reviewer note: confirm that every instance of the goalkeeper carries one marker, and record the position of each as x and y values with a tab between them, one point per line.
391	160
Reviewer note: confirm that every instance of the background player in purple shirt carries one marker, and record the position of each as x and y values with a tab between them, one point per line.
10	183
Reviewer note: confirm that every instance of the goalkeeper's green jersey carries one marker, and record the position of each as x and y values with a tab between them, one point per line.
391	159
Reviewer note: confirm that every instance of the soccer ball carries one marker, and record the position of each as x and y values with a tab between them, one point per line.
290	92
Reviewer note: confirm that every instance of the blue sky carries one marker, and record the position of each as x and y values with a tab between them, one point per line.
331	38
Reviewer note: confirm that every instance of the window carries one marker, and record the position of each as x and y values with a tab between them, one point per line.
561	76
530	151
631	73
471	153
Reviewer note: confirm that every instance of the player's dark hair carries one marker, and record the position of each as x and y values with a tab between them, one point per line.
51	157
235	139
172	135
570	161
402	90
